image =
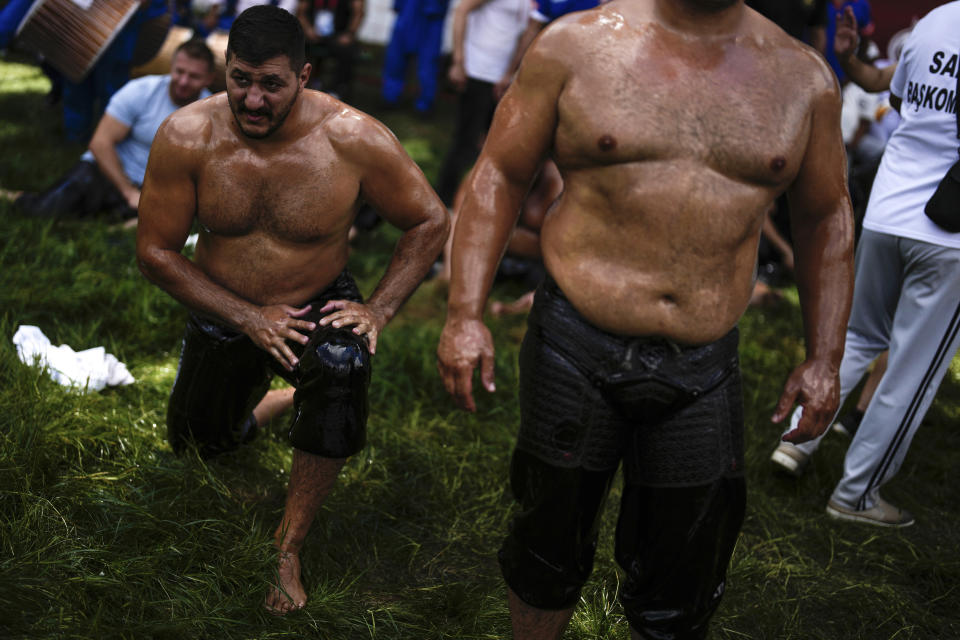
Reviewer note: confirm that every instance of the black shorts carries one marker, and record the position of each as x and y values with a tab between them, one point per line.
589	398
673	416
222	375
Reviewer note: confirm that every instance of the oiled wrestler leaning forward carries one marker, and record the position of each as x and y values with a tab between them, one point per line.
674	124
274	175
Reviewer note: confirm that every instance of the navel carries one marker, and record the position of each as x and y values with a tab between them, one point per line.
607	143
778	163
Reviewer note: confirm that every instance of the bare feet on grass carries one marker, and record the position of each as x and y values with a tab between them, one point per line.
288	594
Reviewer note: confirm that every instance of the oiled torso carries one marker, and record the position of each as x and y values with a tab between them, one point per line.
274	221
671	150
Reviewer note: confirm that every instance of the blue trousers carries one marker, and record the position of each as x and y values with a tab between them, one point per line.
413	35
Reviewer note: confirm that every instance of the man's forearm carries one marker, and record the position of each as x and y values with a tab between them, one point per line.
824	275
458	31
483	231
867	76
413	256
356	19
523	43
109	165
189	285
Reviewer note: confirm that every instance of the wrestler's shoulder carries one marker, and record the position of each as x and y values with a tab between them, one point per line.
194	124
790	57
567	34
606	31
345	126
811	70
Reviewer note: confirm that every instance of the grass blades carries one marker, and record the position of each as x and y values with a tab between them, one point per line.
104	533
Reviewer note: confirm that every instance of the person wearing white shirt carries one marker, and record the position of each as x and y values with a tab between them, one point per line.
907	282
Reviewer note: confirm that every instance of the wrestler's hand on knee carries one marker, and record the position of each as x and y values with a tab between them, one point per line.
464	346
366	320
815	385
274	325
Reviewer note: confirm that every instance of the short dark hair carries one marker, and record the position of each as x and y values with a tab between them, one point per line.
263	32
198	50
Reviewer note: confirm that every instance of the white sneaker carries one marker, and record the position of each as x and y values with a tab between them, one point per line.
790	459
882	514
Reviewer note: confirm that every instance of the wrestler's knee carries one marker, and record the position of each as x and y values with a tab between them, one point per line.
331	404
674	544
548	553
537	581
216	386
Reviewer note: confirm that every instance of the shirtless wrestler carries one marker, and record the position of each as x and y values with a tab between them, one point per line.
675	124
274	175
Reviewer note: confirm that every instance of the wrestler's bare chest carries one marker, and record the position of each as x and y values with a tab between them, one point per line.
300	195
724	108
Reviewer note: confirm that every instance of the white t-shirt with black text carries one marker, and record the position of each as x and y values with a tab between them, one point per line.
925	145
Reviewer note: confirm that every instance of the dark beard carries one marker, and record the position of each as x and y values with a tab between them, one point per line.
709	5
237	111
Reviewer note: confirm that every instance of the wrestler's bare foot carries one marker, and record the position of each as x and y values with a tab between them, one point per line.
520	305
288	594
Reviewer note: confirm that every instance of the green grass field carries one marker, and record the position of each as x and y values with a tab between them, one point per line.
104	533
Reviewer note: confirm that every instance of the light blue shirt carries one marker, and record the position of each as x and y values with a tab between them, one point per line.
142	104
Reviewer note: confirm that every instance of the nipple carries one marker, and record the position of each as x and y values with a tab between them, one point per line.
607	142
778	163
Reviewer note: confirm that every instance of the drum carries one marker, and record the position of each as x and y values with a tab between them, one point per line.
152	35
160	63
73	34
217	41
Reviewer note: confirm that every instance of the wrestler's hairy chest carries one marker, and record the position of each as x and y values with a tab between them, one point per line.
300	194
723	106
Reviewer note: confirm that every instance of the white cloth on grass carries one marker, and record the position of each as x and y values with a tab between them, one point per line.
88	370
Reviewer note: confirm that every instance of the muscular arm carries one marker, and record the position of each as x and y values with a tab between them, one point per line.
822	225
519	139
398	190
110	132
167	209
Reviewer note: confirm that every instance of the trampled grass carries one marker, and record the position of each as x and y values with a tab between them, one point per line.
104	533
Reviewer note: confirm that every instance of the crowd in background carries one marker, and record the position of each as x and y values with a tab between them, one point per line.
488	40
